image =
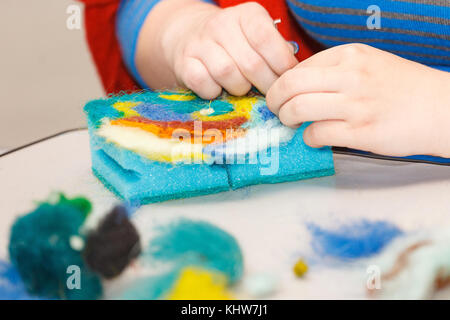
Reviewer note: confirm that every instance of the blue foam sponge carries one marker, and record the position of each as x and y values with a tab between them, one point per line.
130	136
293	161
136	179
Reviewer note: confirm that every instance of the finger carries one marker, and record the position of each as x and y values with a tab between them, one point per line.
224	70
196	77
338	55
326	58
313	107
265	39
254	68
328	133
303	80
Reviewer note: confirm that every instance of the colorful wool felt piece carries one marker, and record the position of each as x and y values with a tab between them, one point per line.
40	247
144	144
360	239
113	244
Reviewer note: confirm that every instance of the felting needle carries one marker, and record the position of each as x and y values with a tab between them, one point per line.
293	43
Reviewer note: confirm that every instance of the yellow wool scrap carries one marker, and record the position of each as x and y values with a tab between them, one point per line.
179	97
300	268
199	284
243	105
127	108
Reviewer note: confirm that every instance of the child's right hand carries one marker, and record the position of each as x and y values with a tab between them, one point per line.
207	48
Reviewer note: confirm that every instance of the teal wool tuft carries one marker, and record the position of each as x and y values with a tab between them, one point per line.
40	249
188	242
357	240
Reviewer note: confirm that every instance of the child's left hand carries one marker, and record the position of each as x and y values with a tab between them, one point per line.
368	99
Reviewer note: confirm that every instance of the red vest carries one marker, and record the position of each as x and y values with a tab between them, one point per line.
100	18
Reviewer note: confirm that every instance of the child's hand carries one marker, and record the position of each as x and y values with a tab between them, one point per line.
368	99
208	48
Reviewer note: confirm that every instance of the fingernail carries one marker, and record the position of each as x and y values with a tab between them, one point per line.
295	47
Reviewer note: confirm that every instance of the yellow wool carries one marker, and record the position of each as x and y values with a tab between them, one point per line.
151	146
199	284
127	108
243	105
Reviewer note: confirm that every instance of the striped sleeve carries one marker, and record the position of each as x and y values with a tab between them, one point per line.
417	30
130	18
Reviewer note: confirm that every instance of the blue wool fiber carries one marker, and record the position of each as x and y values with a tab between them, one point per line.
361	239
158	113
188	242
40	249
11	285
267	114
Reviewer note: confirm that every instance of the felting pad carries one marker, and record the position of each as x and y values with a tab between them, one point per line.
156	146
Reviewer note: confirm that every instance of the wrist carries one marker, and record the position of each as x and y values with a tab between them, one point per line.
181	25
164	27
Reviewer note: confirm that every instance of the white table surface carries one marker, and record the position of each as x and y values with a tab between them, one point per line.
267	220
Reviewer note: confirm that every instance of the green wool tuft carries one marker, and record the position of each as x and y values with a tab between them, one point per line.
40	248
81	203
